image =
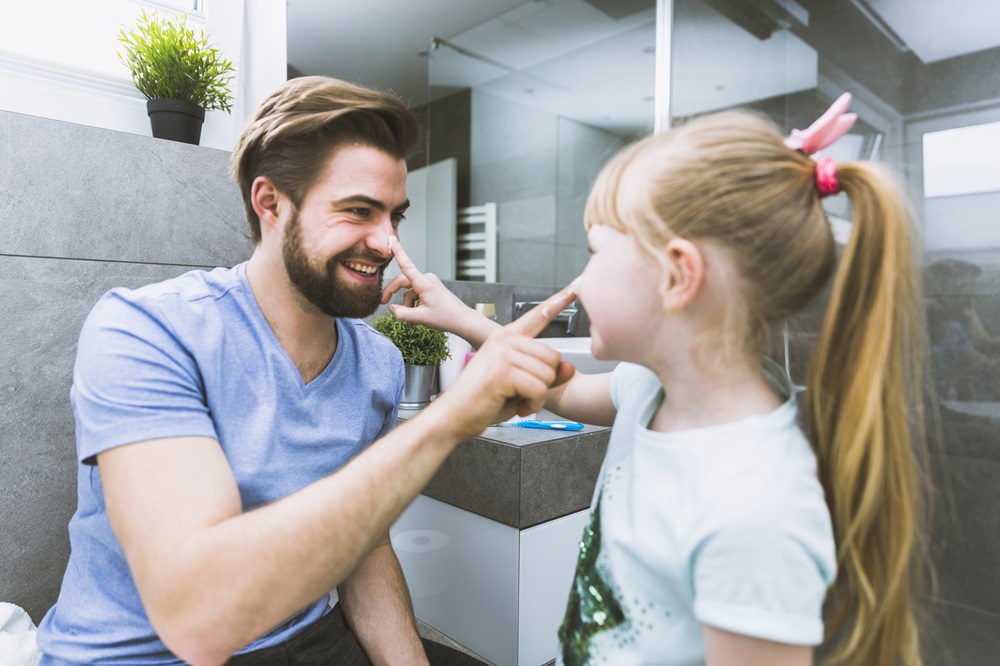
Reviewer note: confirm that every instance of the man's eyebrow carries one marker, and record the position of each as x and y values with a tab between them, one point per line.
365	199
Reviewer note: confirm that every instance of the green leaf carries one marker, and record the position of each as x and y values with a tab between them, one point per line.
168	61
419	344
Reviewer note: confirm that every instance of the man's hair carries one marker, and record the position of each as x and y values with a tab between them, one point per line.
290	137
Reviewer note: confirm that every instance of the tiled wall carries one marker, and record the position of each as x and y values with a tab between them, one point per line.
82	210
538	167
966	542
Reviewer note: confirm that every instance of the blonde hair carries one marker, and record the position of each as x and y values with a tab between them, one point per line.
730	180
292	133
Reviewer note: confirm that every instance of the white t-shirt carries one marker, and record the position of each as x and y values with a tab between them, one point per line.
724	526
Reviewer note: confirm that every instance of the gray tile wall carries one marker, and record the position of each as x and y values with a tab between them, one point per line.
538	168
583	152
82	210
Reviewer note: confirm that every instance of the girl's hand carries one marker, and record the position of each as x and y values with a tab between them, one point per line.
427	301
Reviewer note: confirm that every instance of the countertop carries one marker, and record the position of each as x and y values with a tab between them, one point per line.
520	476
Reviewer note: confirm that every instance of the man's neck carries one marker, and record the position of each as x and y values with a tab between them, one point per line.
308	336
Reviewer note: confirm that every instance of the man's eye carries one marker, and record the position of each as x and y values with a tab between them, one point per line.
397	218
359	212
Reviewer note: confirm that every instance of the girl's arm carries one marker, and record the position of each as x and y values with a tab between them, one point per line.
584	398
724	648
427	301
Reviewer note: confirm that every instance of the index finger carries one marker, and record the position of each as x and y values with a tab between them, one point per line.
406	265
537	318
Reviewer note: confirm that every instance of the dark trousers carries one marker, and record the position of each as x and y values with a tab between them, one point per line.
329	641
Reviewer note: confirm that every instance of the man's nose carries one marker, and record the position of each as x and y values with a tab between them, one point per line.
377	238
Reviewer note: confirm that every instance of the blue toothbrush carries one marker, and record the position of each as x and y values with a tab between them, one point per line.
544	425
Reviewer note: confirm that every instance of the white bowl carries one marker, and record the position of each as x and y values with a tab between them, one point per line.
577	352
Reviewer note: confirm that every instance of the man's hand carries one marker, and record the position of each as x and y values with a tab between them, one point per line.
510	374
427	301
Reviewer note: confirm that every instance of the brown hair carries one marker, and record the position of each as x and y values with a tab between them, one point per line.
295	129
729	179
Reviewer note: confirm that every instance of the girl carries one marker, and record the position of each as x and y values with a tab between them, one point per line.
718	527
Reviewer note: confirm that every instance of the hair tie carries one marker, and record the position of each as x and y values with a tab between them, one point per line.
826	176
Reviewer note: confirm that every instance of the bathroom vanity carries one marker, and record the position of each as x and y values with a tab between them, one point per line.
489	548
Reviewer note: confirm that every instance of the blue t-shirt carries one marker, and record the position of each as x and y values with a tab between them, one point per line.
194	356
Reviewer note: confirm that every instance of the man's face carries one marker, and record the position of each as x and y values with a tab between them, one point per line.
335	248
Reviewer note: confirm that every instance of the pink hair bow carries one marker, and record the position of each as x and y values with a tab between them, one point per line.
828	128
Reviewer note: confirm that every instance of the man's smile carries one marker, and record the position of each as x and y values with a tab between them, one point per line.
362	268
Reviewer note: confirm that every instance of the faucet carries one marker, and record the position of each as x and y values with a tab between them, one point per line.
574	316
578	323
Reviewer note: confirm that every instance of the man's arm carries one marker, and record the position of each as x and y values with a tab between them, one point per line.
212	578
427	301
377	607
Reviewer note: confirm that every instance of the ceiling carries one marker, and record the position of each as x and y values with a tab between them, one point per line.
939	29
379	43
376	42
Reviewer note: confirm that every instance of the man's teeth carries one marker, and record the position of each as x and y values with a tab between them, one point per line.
361	268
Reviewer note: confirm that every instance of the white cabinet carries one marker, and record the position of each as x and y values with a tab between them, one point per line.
495	589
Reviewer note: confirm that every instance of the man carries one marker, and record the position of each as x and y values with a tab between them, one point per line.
221	418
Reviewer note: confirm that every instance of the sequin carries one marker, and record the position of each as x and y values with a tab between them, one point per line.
593	607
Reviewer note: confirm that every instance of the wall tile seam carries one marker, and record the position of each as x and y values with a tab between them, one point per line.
107	261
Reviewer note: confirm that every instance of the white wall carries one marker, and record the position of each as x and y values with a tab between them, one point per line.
58	60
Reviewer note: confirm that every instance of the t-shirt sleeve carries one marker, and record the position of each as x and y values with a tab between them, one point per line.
628	379
133	380
765	581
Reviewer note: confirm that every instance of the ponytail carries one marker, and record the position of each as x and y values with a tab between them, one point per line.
864	380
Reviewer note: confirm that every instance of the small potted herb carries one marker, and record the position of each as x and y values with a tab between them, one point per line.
180	75
423	349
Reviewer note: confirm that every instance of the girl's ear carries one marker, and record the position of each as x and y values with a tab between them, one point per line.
685	274
266	200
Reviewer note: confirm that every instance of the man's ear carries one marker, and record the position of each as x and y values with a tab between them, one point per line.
266	200
685	274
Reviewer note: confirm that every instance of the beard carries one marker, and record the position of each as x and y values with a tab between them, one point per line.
321	286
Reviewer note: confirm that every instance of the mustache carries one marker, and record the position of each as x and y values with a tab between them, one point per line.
365	257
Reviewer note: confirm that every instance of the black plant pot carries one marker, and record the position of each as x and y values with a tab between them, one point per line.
175	120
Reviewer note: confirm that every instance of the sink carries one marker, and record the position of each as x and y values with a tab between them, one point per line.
577	352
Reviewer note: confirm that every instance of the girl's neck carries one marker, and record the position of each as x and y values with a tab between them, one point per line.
700	397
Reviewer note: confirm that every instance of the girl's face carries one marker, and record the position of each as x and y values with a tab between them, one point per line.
620	290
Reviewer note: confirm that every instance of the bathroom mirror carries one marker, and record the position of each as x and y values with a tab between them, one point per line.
530	104
532	99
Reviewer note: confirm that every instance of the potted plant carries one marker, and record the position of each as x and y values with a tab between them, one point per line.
423	349
180	75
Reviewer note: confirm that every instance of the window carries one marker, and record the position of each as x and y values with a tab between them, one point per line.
194	7
964	160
